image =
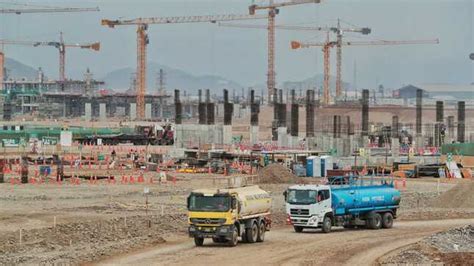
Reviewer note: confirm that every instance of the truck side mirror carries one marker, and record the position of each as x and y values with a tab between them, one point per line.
234	203
285	194
188	199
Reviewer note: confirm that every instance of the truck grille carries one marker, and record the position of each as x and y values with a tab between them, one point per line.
207	220
304	212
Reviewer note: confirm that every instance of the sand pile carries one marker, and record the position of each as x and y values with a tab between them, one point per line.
460	196
277	174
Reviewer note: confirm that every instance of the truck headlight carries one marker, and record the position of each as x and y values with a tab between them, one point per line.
192	229
313	219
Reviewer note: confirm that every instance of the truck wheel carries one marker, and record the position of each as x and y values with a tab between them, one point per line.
198	241
327	223
261	232
387	220
234	239
252	233
375	221
298	229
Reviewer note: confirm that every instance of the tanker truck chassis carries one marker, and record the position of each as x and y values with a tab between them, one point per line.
350	206
225	215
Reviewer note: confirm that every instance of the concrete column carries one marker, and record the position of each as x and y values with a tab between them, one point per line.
310	143
102	112
227	135
282	137
346	146
395	148
133	111
293	141
148	111
253	135
178	134
88	111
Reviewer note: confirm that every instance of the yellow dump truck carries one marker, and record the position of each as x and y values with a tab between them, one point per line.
227	214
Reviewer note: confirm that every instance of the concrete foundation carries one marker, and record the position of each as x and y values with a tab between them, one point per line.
253	135
282	137
190	135
102	112
133	111
88	111
148	111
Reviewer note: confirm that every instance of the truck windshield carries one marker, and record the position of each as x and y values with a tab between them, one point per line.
302	196
209	203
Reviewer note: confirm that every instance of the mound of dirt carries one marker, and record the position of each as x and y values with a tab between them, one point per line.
460	196
277	174
454	240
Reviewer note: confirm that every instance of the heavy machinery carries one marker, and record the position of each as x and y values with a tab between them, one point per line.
141	135
351	205
227	214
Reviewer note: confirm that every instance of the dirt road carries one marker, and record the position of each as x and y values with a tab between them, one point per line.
284	247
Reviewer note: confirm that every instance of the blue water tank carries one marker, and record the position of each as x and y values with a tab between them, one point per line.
361	199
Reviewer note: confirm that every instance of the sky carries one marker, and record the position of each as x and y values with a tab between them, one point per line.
241	54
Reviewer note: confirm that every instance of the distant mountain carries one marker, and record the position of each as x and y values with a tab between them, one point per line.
120	80
316	81
18	70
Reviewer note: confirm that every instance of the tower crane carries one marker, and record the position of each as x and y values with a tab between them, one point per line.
338	30
29	8
142	42
37	9
46	10
329	44
272	12
60	45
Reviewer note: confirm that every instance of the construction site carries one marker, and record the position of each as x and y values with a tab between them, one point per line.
103	168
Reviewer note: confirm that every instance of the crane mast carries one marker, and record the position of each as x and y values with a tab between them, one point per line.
142	42
272	12
339	60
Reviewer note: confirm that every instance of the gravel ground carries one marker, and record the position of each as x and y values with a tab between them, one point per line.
95	221
452	247
455	240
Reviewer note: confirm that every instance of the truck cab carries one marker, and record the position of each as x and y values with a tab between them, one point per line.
349	205
307	205
227	214
211	215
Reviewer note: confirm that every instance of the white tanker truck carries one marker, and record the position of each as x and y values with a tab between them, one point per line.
227	214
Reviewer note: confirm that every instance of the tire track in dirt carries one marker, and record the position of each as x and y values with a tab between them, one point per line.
284	247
